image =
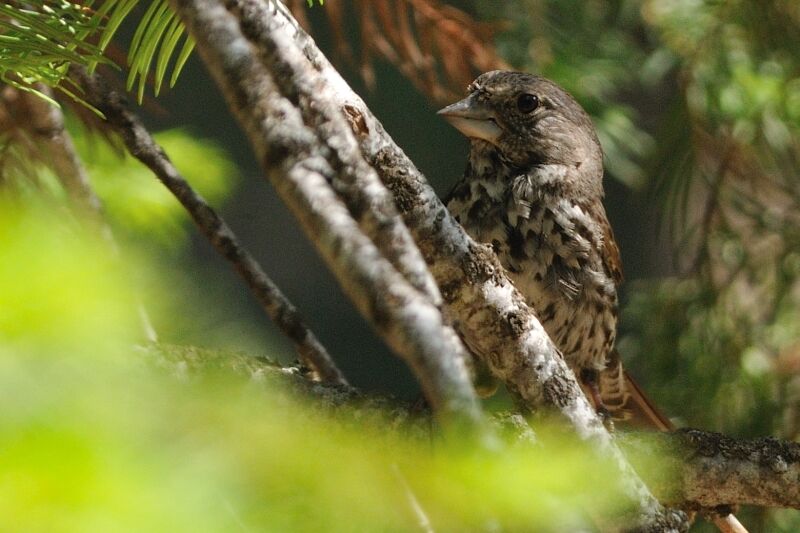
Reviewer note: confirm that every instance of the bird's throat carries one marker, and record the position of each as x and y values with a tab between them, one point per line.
486	162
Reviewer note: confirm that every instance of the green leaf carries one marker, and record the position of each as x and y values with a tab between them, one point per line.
183	56
173	35
39	42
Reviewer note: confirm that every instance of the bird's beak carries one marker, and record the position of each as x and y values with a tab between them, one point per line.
472	118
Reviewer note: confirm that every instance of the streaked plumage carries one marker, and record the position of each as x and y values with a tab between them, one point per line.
533	190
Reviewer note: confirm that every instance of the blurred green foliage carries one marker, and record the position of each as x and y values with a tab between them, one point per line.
99	435
135	202
141	211
58	292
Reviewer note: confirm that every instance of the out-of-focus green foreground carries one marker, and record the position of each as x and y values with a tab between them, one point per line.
99	433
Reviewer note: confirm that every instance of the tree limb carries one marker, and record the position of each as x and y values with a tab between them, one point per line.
356	182
693	468
706	469
45	122
490	313
143	147
296	163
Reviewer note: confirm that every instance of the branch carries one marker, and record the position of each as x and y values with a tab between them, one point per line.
144	148
492	316
45	122
356	182
296	163
703	469
707	469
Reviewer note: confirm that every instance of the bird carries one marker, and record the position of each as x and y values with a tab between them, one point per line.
533	190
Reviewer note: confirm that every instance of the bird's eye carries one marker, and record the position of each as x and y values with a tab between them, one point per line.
527	102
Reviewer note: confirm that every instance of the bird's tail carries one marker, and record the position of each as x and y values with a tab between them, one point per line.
626	401
642	409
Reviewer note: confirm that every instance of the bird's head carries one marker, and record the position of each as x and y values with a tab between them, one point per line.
529	120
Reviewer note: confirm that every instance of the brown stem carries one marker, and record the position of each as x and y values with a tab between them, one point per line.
144	148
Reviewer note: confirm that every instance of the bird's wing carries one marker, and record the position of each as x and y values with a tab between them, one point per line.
611	256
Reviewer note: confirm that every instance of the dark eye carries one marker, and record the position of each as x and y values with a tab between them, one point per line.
527	102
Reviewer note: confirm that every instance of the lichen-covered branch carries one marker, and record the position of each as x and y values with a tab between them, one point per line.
298	166
705	469
142	146
357	183
491	315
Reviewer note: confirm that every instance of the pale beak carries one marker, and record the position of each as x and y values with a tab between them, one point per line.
472	118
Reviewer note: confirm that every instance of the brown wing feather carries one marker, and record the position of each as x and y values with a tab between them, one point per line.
611	256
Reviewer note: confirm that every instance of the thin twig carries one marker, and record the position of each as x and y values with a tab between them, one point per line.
144	148
728	524
416	507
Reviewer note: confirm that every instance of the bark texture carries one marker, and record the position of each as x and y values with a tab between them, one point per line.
706	469
721	470
303	170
